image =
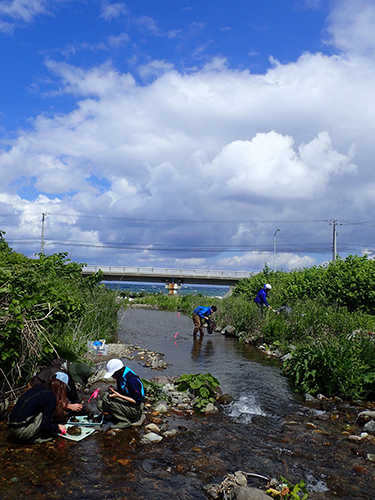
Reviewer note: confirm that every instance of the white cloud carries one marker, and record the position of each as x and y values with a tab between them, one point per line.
113	10
269	167
208	144
351	26
257	260
24	10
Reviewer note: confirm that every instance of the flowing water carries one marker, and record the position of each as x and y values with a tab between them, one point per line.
266	430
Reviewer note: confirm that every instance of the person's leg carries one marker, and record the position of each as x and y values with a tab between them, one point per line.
197	324
30	432
121	411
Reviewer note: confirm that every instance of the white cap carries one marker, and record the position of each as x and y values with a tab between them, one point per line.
268	286
63	377
112	366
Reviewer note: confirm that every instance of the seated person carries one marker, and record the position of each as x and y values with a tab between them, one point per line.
125	403
77	372
31	420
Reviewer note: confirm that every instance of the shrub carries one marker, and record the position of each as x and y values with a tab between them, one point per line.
203	387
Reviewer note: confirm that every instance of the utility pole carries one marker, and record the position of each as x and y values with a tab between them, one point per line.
42	242
334	223
334	242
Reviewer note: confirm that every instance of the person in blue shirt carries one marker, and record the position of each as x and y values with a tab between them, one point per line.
200	314
261	298
124	403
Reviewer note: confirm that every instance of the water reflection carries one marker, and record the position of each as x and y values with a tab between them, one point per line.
197	346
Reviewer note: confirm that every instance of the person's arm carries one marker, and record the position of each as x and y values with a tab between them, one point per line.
264	299
72	395
114	394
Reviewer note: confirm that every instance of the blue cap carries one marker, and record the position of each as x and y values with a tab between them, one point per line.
63	377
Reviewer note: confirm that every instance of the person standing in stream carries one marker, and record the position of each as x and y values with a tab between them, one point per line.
200	314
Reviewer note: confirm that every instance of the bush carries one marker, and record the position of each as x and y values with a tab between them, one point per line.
334	366
44	305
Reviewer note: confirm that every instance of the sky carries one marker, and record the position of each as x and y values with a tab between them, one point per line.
220	135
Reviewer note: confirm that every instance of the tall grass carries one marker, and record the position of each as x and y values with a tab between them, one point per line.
99	322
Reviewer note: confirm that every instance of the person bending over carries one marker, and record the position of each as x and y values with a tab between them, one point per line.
200	314
32	418
77	373
261	298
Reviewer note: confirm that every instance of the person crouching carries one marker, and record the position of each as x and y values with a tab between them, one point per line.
32	418
124	403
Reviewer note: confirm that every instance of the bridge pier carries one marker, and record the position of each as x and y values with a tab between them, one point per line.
172	288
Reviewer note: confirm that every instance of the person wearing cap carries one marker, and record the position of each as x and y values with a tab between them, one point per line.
261	298
32	418
125	403
200	314
77	373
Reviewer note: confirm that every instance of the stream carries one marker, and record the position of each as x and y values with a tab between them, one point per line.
267	430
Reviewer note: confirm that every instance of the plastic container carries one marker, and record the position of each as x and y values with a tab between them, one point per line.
103	350
97	348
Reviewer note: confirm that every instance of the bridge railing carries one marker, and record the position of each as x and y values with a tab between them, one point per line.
154	271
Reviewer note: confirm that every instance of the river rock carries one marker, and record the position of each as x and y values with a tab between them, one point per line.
240	478
161	407
308	398
152	428
228	330
210	409
248	493
370	427
225	399
364	416
151	437
170	434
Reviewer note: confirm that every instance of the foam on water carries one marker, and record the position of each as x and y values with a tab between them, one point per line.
244	409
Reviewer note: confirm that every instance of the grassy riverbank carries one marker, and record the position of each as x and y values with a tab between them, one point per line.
47	310
329	334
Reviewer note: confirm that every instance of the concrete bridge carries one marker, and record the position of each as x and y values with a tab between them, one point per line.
168	275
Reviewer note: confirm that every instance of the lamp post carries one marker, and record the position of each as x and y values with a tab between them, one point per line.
274	249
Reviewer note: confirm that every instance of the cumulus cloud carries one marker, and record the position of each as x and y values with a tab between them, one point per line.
351	26
269	167
208	144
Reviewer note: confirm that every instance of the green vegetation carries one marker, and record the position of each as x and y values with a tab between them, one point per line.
47	310
329	333
286	490
203	387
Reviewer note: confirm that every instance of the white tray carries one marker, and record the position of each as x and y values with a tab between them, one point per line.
85	432
82	421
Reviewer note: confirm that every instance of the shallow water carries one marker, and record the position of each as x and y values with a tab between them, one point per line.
266	430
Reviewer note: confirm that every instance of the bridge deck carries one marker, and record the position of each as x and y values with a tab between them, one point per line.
168	275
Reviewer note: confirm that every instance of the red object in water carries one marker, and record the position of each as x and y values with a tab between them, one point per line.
176	335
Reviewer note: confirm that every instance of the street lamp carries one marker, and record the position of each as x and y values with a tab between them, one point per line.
274	249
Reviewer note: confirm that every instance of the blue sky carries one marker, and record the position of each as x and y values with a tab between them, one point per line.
183	134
